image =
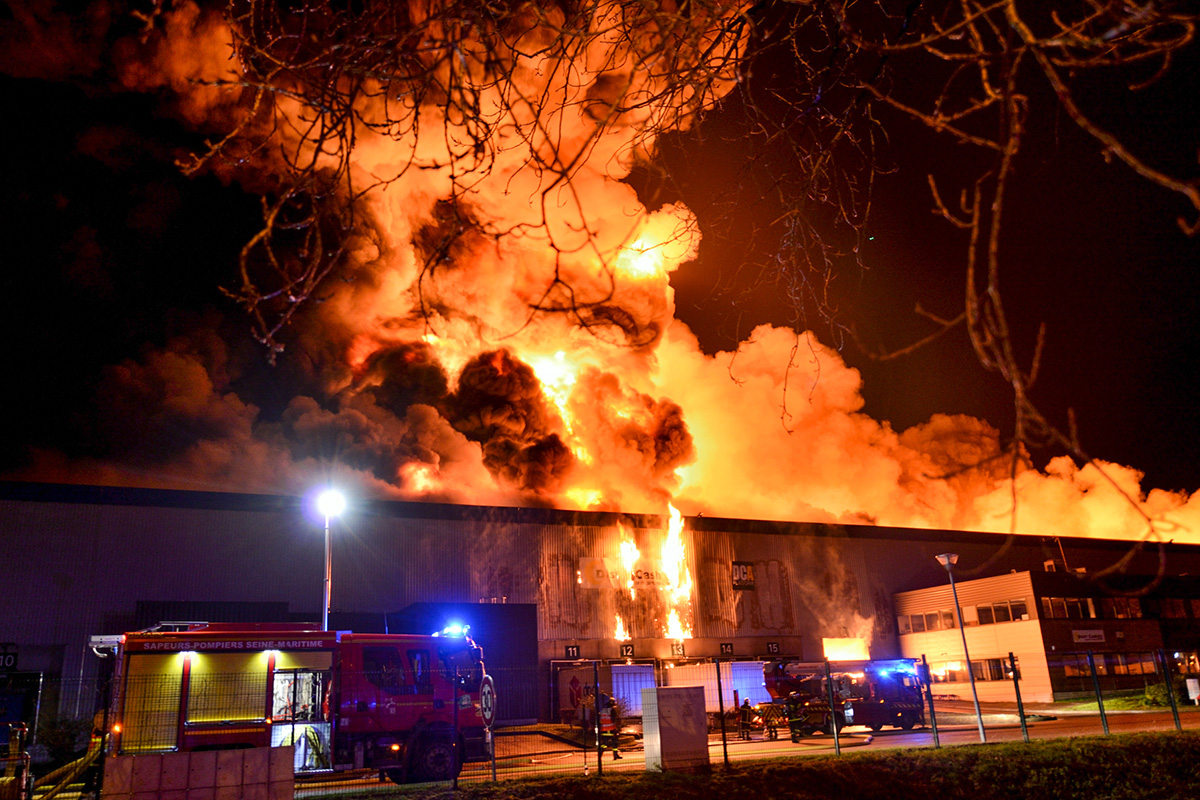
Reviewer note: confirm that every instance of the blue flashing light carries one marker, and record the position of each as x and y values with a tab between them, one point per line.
454	629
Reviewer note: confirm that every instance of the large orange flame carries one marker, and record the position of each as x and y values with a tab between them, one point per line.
678	590
629	559
846	649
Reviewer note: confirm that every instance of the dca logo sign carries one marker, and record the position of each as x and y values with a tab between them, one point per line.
743	575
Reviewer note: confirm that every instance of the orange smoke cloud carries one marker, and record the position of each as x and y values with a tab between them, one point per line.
439	379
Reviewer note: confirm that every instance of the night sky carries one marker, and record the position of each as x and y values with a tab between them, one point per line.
110	253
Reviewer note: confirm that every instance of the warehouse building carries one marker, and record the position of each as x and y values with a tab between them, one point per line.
546	590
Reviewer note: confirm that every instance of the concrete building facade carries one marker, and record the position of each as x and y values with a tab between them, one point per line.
1059	626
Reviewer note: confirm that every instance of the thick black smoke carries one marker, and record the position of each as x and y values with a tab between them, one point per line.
499	403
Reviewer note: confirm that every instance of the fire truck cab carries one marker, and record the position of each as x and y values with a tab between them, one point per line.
406	705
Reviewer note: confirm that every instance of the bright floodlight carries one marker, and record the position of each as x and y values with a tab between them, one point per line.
331	503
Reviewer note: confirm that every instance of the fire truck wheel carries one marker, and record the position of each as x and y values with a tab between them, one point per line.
907	722
876	726
434	761
396	776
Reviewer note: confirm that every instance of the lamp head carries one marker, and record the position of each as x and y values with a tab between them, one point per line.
947	560
331	502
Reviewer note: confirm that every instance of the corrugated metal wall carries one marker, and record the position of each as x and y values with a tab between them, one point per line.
1013	586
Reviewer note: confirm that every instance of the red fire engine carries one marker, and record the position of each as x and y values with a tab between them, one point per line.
406	705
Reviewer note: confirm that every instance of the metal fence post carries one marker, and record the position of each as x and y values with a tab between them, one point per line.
454	743
1012	664
928	679
596	698
1096	685
106	700
721	706
1170	689
837	746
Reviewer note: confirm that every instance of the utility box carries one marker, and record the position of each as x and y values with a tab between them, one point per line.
1193	690
674	728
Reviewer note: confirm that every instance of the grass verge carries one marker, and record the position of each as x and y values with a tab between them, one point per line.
1149	766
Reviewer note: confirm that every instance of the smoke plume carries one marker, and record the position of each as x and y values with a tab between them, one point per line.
496	348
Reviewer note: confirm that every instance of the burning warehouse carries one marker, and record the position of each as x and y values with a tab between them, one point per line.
545	588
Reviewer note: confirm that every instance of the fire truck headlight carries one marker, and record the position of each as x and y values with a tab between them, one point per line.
395	748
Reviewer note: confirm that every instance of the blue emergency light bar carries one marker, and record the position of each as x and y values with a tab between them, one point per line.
454	629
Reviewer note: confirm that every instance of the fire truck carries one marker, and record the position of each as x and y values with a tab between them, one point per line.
869	693
405	705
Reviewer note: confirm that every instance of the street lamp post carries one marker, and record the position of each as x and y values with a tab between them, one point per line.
948	560
330	503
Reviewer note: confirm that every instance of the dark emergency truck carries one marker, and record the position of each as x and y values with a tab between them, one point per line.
869	693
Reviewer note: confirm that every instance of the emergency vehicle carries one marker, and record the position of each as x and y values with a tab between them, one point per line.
869	693
405	705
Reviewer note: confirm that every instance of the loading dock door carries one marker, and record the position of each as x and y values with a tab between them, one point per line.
628	680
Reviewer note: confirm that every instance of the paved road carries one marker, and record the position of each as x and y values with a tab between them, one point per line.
958	728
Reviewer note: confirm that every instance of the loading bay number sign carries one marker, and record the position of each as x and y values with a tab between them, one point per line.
8	660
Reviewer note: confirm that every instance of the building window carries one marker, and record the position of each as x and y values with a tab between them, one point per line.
1142	664
1172	608
1121	608
993	669
1004	611
987	669
947	672
1019	609
1067	608
1075	665
941	620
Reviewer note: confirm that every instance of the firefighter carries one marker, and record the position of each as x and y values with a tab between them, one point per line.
610	725
745	718
770	718
796	716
